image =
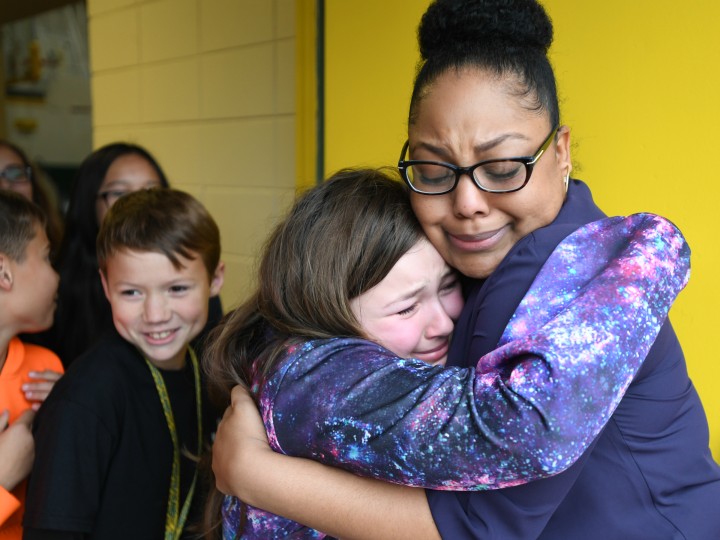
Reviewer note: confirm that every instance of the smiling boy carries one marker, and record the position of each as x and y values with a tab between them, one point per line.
117	435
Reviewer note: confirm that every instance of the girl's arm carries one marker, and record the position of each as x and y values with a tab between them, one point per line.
530	408
324	498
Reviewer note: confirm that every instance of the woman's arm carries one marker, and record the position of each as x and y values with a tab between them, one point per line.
324	498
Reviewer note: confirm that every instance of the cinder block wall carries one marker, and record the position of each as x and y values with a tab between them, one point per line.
208	86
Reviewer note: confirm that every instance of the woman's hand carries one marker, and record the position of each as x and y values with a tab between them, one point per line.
240	445
40	385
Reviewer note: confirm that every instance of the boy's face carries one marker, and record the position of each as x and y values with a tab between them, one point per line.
157	307
35	284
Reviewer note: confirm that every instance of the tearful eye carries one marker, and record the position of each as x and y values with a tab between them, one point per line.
430	174
450	285
502	171
408	311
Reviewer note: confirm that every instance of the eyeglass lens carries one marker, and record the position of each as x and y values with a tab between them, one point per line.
505	175
14	174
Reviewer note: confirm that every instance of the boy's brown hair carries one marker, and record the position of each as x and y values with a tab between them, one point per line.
160	220
18	220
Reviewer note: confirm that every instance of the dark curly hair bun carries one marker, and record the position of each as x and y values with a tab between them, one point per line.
450	26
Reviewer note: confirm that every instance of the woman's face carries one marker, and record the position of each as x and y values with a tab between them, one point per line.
14	176
470	116
127	173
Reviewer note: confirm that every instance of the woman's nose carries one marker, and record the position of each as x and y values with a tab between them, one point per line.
468	199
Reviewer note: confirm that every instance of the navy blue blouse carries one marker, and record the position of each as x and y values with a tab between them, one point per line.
649	474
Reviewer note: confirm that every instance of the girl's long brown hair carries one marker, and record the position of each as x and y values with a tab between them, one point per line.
339	240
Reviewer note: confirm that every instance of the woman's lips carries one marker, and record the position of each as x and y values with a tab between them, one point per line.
478	242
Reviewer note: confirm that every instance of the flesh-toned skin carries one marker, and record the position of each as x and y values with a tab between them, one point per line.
466	118
411	312
127	173
157	307
8	157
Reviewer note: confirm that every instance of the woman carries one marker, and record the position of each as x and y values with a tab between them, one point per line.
18	174
485	93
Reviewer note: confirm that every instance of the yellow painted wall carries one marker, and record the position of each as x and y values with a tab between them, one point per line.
639	87
208	86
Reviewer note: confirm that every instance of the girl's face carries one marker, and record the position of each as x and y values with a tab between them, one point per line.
127	173
411	311
13	173
469	116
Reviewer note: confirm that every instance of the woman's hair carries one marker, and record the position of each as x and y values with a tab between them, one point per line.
160	220
83	312
43	195
339	239
18	219
506	38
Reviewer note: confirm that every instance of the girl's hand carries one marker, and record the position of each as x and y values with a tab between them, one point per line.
40	385
240	445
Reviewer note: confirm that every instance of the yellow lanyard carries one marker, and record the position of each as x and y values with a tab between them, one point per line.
174	521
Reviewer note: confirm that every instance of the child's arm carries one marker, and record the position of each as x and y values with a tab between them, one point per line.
38	390
324	498
17	450
528	411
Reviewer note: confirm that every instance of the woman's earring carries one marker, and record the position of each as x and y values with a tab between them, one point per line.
567	181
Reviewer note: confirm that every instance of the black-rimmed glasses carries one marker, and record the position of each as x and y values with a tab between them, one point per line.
16	174
492	175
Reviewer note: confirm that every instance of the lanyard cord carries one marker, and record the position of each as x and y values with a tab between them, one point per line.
174	523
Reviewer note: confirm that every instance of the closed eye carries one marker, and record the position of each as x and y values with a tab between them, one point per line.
408	311
449	284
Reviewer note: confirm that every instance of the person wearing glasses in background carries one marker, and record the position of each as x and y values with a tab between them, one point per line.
18	174
485	93
83	313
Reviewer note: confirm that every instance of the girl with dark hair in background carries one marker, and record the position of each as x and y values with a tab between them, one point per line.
19	174
488	162
83	312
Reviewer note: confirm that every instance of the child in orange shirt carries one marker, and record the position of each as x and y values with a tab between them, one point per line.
28	285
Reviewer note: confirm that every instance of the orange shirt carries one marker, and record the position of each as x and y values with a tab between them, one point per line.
21	359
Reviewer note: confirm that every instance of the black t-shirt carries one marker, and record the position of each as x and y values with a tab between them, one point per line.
103	448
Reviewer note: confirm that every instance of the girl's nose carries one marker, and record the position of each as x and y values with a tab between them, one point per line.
440	324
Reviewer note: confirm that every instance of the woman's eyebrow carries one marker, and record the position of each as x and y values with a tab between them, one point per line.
478	148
